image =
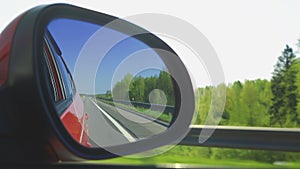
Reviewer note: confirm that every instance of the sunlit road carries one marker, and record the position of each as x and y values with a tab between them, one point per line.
108	126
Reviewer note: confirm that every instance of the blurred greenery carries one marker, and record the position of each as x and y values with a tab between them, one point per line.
221	157
259	103
142	89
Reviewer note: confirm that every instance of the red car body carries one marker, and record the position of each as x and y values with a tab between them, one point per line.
64	91
75	121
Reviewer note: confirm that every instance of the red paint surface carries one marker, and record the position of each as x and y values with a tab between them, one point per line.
6	38
75	121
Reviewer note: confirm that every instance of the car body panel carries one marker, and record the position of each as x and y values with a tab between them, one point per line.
75	121
73	117
6	38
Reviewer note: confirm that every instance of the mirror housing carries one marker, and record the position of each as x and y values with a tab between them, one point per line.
30	127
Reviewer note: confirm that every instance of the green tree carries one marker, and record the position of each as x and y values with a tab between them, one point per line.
164	83
121	88
296	66
140	88
233	105
217	104
249	98
137	89
150	85
283	86
203	104
265	101
254	100
108	94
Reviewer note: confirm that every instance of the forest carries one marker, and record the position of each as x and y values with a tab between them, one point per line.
157	89
260	102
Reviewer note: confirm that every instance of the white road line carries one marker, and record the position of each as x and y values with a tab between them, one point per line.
83	127
119	127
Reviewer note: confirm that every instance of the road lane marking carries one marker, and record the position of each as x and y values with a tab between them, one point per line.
119	127
83	127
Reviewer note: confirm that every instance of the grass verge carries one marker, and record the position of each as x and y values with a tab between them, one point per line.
195	156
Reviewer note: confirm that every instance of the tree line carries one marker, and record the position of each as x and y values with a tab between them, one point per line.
156	89
260	102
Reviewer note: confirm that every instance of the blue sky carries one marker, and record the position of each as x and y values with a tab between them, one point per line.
72	36
65	32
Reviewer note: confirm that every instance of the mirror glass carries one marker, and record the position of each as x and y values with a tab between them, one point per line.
109	88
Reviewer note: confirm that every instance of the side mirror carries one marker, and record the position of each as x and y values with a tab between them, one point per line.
78	84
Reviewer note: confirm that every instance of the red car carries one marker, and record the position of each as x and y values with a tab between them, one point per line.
64	91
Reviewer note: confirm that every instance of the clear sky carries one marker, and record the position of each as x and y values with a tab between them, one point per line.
86	43
65	32
248	36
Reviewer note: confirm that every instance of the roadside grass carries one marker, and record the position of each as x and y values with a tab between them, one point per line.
158	115
199	161
179	155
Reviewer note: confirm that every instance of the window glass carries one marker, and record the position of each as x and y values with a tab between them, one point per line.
54	71
51	74
65	76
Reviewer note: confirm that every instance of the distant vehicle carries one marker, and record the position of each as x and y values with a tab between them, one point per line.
68	102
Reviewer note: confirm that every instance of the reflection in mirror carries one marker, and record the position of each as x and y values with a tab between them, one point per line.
109	88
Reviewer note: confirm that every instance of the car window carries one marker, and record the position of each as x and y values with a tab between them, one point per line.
66	77
62	84
54	72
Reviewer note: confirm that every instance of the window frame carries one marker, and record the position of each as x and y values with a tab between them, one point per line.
65	81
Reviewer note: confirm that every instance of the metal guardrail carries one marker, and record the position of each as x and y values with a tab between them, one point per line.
260	138
282	139
155	107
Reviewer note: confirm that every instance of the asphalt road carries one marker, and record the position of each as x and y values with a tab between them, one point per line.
110	126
